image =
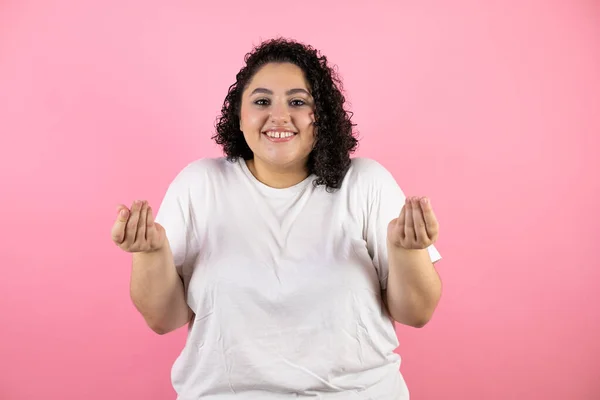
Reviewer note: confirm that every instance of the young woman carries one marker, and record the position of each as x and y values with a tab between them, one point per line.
288	260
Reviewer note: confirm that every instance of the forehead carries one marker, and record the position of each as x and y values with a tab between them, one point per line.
279	76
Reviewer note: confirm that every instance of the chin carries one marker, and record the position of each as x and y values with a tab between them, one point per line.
285	162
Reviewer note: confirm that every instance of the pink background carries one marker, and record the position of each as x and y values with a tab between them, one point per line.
490	108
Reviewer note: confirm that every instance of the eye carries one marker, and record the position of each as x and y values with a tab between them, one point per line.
298	103
261	102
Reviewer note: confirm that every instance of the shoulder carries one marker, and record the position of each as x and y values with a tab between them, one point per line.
371	179
200	173
206	165
368	171
203	167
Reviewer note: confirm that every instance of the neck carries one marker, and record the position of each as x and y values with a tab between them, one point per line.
278	178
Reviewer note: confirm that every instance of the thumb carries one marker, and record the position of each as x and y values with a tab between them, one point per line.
122	212
118	228
159	228
160	231
152	224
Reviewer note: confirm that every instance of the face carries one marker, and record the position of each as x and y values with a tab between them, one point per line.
277	116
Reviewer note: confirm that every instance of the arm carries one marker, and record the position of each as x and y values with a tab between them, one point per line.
403	252
163	255
414	286
157	291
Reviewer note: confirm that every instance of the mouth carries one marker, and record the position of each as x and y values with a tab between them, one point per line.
279	136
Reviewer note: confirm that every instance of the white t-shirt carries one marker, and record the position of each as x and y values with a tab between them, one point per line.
286	284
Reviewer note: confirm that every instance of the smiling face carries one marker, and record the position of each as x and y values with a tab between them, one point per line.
277	116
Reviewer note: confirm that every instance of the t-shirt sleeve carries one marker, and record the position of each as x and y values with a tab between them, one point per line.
175	215
385	201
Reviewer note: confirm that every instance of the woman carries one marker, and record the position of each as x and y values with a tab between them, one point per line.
288	259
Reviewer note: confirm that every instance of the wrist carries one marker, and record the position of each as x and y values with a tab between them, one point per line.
403	256
154	253
403	250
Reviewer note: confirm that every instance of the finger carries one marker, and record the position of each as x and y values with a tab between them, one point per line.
401	222
131	228
140	235
118	229
150	228
431	223
150	219
402	216
409	226
151	231
121	207
419	221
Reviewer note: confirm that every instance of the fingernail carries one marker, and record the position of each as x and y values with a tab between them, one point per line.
424	200
123	213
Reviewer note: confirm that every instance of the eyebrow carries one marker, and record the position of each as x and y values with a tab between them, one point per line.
288	93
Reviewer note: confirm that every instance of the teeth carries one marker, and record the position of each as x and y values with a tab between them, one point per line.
279	134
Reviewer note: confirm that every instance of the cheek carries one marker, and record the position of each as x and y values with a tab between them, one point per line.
251	119
304	120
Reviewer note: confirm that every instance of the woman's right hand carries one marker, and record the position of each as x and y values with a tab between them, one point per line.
135	230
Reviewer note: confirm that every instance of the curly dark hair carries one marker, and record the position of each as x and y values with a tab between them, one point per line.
335	139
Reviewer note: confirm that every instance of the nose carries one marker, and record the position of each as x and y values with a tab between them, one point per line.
280	114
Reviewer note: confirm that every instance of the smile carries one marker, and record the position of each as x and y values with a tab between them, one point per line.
279	136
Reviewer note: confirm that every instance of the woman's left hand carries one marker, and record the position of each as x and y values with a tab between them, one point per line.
416	227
